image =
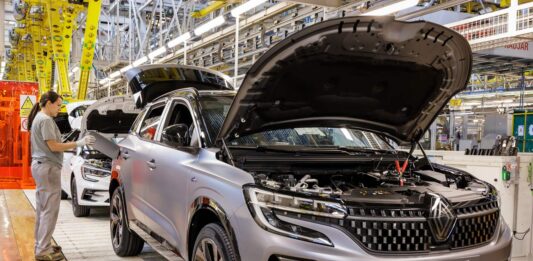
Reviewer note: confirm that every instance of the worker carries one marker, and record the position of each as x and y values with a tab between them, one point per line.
47	159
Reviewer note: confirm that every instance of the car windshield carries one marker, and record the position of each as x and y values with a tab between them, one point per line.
215	108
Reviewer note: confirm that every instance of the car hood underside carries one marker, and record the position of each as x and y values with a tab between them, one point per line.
371	73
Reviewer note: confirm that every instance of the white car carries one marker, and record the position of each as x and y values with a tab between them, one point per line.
85	175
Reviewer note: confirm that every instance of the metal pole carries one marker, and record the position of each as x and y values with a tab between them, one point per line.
236	63
522	88
2	29
185	53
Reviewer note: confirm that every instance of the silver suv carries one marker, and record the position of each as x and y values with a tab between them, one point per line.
299	163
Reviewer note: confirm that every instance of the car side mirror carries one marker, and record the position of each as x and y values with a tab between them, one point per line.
177	134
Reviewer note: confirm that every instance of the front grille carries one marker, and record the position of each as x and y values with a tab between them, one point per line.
474	230
391	236
392	231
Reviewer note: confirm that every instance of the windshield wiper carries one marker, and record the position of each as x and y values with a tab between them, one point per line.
355	149
319	149
265	148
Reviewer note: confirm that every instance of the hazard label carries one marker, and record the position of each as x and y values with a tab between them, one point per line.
26	103
23	124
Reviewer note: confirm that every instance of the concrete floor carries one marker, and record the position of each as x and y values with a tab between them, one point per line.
87	238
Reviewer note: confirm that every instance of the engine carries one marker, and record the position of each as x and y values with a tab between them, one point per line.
380	187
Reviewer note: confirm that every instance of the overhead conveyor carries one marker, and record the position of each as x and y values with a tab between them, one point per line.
42	43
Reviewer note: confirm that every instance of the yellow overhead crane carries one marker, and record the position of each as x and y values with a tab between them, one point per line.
42	41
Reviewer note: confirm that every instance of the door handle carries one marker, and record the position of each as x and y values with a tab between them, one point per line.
151	164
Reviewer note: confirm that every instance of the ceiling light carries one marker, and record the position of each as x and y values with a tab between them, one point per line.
157	52
123	70
140	61
114	74
204	28
101	82
180	39
75	69
392	8
241	9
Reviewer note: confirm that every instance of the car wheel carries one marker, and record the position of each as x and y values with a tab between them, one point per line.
125	242
213	244
79	211
64	195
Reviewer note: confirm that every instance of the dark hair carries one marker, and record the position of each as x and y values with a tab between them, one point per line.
49	96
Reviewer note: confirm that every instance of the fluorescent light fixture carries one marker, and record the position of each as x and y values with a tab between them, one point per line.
241	9
101	82
75	69
392	8
204	28
140	61
123	70
157	52
114	75
180	39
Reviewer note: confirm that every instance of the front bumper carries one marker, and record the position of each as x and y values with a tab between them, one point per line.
254	243
93	193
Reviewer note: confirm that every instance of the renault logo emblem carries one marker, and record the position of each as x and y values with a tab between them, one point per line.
441	219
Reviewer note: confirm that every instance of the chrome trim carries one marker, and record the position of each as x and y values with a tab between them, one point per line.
390	219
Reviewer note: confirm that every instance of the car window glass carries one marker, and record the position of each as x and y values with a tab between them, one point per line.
137	121
150	122
180	114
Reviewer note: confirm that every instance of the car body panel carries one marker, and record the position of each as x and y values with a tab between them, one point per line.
325	75
171	77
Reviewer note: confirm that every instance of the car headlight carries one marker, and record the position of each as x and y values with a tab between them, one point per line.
89	173
262	204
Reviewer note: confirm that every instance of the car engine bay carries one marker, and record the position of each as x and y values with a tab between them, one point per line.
377	186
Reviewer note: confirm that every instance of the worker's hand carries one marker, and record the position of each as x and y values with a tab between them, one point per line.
87	140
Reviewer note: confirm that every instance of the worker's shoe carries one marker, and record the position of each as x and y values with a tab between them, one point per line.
54	256
56	249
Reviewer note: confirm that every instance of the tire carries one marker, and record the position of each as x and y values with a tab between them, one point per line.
64	195
79	211
125	242
212	238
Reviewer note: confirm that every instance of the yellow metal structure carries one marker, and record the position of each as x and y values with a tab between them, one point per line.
215	5
42	49
89	42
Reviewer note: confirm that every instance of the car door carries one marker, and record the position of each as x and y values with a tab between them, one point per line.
171	174
135	152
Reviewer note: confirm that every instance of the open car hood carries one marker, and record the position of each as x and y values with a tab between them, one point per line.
149	82
113	115
370	73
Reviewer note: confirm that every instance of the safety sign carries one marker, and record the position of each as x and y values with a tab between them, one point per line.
23	124
26	103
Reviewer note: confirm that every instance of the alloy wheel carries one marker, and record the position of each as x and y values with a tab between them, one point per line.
208	250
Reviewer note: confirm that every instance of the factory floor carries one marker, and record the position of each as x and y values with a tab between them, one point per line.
80	238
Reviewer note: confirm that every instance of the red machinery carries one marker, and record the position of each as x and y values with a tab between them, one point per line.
15	154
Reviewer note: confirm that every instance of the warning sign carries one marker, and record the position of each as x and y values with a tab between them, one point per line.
23	124
26	103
